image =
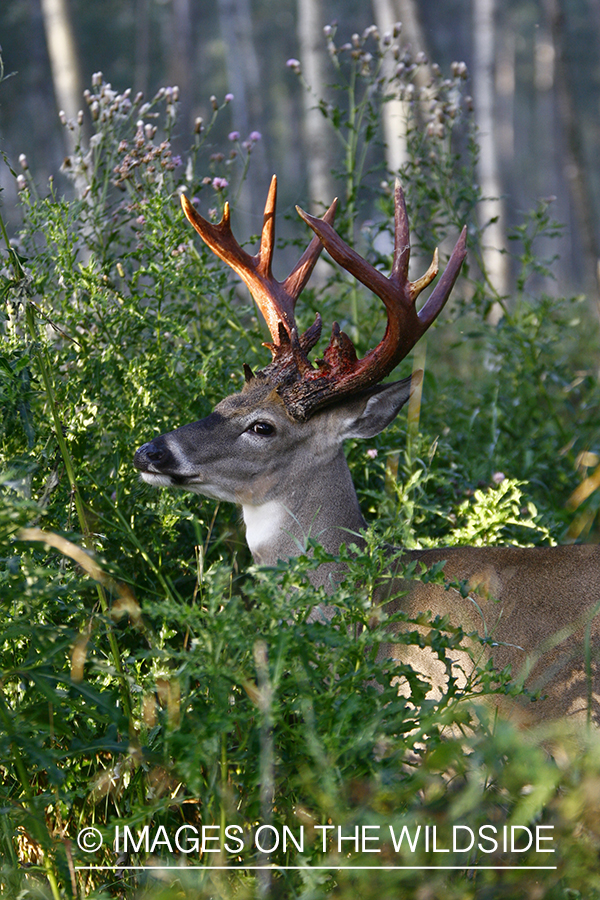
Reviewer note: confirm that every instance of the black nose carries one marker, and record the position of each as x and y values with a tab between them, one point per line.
151	453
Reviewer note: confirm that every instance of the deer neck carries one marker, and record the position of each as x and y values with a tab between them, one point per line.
319	504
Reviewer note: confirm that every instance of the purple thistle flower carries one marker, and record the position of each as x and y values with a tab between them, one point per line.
233	136
255	136
220	183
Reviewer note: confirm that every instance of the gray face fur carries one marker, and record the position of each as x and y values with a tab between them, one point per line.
290	478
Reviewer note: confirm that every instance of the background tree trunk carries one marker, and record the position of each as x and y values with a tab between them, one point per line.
142	46
317	133
396	112
491	213
575	167
63	61
244	80
180	59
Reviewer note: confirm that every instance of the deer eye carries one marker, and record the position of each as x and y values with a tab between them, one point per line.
262	428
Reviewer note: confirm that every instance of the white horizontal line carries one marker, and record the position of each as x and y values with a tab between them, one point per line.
330	868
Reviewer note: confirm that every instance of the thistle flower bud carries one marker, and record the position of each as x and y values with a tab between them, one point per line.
138	98
228	98
328	31
459	70
95	110
97	79
62	117
213	102
80	117
23	162
294	65
198	125
21	183
175	93
397	29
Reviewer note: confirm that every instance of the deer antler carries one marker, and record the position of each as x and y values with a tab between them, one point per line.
344	372
276	300
303	388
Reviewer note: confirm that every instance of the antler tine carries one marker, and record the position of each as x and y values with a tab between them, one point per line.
298	278
436	301
264	257
275	300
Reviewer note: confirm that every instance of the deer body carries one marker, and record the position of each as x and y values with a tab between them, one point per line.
276	450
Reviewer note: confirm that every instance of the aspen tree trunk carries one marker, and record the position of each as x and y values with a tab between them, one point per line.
396	112
490	209
575	168
244	80
63	61
317	133
142	46
180	63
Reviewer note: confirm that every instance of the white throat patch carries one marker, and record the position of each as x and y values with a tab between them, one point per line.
263	523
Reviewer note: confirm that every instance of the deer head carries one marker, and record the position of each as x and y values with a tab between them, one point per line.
276	447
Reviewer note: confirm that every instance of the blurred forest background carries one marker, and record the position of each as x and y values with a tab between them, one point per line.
534	75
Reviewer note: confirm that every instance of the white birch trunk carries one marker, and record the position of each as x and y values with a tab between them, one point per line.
317	136
63	61
491	207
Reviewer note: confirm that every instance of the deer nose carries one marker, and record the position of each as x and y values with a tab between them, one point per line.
150	453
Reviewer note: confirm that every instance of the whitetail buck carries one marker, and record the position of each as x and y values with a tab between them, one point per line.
275	449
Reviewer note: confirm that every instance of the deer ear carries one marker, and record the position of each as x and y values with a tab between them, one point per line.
367	417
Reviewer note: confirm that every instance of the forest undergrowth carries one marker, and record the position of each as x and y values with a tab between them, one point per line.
173	723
